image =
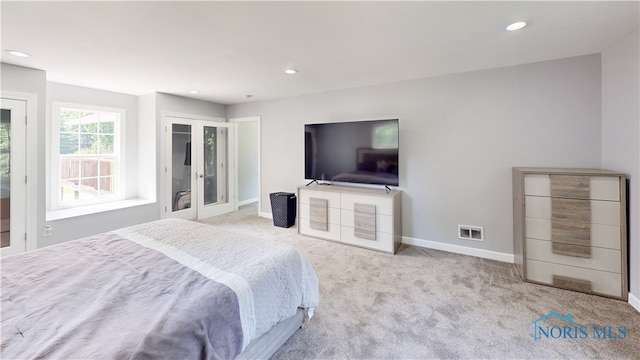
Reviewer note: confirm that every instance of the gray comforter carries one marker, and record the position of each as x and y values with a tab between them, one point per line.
170	289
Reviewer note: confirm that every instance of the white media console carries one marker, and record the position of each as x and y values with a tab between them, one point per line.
364	217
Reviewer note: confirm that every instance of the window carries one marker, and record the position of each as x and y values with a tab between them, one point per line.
87	163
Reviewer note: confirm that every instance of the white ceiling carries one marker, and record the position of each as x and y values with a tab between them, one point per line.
228	50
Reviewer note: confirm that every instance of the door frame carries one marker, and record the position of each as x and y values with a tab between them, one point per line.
31	166
194	120
259	120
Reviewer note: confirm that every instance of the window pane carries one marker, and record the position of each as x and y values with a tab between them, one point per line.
89	123
88	188
69	120
68	190
106	144
68	143
106	167
106	186
89	167
69	168
88	144
107	123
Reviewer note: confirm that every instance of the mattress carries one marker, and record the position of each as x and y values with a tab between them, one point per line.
165	289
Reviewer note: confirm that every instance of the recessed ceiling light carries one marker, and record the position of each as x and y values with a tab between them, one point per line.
18	53
291	71
194	91
516	26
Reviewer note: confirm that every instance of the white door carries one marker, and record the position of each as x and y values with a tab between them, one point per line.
13	176
199	163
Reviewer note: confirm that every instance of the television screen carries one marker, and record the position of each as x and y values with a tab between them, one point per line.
363	152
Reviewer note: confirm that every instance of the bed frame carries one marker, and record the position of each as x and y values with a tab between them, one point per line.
267	344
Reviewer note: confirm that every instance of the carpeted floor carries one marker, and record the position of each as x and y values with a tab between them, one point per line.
428	304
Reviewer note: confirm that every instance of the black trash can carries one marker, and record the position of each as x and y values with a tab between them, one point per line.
283	208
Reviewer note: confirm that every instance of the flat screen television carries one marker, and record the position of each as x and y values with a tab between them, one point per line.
364	152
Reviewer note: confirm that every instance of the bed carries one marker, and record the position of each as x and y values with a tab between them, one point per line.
166	289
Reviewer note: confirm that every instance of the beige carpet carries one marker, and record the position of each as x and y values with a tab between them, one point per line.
427	304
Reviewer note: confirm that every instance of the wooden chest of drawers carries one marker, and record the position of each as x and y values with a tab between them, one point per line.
570	229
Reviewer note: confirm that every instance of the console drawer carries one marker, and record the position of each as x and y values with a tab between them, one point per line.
333	199
384	223
332	233
383	241
383	205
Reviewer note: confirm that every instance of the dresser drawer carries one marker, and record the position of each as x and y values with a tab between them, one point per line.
333	198
332	233
538	185
602	212
537	207
382	242
601	282
383	205
601	259
384	223
605	212
600	187
602	235
333	214
605	188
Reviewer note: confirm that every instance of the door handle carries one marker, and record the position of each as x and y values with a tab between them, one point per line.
201	175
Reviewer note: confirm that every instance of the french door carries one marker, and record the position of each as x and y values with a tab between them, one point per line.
13	187
199	167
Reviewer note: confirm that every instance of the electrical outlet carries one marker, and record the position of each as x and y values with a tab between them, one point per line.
46	231
468	232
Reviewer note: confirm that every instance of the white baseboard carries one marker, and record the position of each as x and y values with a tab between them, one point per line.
247	202
459	249
266	215
634	301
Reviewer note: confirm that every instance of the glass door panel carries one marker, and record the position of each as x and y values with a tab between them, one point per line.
180	169
12	177
5	177
215	174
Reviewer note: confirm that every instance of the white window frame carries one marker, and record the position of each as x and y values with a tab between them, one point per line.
119	151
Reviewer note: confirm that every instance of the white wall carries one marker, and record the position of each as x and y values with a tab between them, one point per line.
460	135
168	102
147	147
621	134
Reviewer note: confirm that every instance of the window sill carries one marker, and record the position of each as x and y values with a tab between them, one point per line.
53	215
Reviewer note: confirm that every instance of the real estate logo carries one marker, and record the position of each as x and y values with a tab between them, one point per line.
571	330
